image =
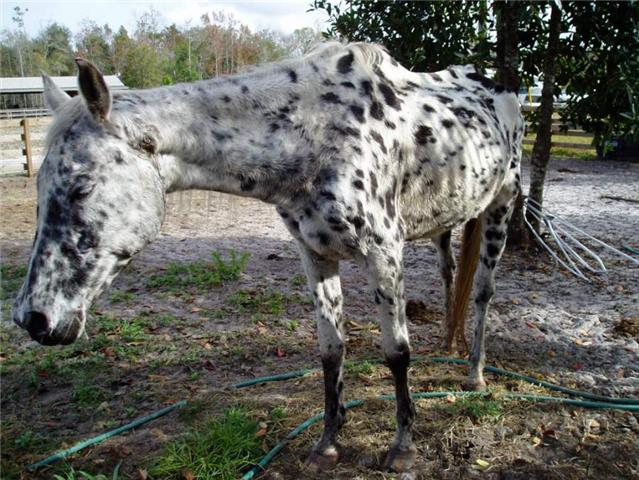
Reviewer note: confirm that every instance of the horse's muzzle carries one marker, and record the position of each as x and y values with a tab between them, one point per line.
38	326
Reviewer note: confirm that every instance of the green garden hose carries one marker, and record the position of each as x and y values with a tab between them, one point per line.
593	401
103	436
455	361
266	459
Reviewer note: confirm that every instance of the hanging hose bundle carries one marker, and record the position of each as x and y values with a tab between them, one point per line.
592	401
564	235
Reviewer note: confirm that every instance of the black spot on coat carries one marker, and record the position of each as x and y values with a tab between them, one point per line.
389	96
345	64
422	134
330	97
358	112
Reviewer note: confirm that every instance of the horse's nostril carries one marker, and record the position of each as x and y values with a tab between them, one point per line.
36	324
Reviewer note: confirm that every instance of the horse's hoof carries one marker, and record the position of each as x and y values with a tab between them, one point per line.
322	461
474	385
401	459
448	345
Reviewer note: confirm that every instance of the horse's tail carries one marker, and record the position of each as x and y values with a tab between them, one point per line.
471	241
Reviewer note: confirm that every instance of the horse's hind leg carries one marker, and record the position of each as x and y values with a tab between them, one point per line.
324	283
385	271
494	228
447	269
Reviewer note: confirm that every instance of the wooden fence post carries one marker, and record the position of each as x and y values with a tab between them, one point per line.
26	151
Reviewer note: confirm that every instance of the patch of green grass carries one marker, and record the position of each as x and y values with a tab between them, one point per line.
566	152
293	325
130	411
360	368
167	321
100	341
201	274
29	440
298	280
247	301
191	410
107	323
121	297
87	395
11	278
72	474
474	407
132	331
278	413
220	449
574	152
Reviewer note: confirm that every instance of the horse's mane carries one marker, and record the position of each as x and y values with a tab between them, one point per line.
369	55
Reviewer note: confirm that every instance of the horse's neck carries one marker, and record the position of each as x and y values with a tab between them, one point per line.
234	136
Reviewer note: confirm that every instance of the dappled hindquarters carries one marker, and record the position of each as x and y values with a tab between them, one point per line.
189	317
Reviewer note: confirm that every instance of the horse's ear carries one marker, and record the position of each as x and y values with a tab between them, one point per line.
54	96
94	89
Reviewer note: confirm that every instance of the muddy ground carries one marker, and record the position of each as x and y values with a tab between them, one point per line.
152	343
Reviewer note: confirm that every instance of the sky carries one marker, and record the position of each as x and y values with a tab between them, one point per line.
283	16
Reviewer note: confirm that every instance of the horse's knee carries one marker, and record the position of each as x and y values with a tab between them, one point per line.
397	356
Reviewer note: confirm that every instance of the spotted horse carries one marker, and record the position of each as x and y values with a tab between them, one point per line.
357	153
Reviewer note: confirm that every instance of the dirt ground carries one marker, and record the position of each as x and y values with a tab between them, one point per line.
149	346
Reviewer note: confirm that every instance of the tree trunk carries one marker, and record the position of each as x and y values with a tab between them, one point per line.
541	149
508	74
507	44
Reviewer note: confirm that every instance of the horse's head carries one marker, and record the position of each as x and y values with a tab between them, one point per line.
100	200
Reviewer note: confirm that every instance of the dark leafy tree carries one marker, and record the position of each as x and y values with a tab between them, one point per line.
600	68
52	50
424	36
541	149
94	43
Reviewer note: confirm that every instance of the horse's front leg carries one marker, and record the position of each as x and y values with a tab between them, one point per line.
385	269
324	283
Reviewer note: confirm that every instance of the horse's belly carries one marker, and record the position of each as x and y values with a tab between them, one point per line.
432	207
427	219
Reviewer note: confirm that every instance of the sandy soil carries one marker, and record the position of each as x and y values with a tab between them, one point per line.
543	320
572	329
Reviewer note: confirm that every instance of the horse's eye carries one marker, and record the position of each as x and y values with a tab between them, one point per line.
80	192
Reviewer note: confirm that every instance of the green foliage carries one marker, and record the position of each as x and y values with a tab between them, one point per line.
474	407
219	450
88	395
201	274
600	68
360	368
425	36
52	50
278	413
298	280
28	440
72	474
11	278
94	43
293	325
132	331
598	63
121	297
152	54
143	67
258	302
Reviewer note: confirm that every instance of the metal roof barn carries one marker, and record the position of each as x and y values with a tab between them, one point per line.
68	84
23	96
